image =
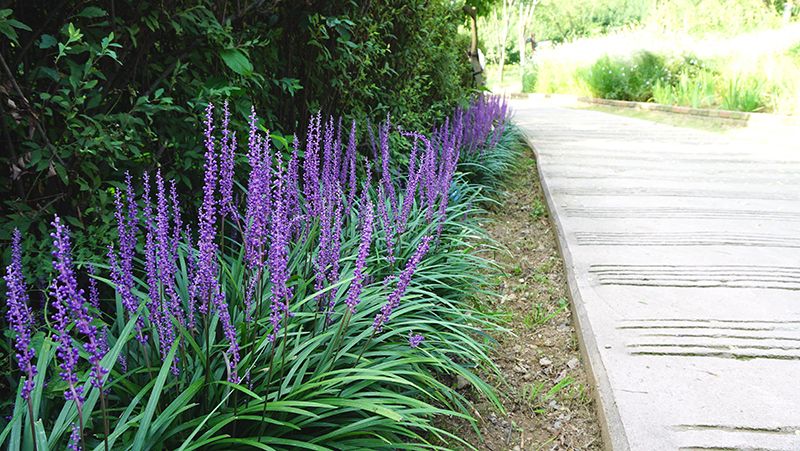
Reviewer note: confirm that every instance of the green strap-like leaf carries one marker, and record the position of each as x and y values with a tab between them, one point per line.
144	426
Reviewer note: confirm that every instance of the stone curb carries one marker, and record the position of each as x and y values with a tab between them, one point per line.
739	116
611	427
760	119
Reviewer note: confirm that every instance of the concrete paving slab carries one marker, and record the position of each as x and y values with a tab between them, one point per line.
682	250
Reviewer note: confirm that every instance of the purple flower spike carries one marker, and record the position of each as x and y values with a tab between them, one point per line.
176	214
293	207
69	300
354	293
94	294
311	165
70	297
279	255
386	224
350	165
205	281
402	284
412	181
257	216
414	340
227	153
121	263
229	330
75	438
19	314
94	301
386	179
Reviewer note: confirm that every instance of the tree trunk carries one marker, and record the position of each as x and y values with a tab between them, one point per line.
521	34
477	69
787	12
525	16
504	35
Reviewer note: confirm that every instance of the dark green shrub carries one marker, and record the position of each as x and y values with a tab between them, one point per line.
114	85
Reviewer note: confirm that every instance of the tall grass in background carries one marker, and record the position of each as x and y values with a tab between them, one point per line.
555	77
764	83
695	91
321	302
742	93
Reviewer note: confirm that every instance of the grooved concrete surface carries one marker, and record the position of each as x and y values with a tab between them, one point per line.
683	253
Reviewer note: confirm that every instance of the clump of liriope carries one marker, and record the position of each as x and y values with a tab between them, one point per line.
491	143
227	331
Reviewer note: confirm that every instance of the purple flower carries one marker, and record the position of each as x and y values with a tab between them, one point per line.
167	264
176	215
19	314
328	158
75	301
161	267
205	281
122	263
354	293
403	281
350	165
311	165
75	438
386	224
257	216
412	181
414	340
229	330
334	252
279	255
326	264
293	207
70	308
94	294
227	152
386	179
94	301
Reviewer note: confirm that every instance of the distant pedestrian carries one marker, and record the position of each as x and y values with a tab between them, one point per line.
532	40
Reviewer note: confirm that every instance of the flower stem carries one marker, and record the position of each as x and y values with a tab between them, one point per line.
365	347
105	417
30	418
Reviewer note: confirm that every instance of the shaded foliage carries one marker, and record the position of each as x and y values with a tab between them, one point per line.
92	88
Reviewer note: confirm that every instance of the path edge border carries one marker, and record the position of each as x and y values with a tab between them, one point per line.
739	117
611	427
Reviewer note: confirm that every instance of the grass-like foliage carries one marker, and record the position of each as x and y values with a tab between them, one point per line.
627	79
322	301
743	93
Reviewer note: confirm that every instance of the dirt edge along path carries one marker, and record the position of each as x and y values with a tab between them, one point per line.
546	392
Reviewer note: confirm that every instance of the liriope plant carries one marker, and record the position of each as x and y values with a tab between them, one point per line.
302	306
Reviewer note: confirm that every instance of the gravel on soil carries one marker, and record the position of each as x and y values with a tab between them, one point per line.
544	387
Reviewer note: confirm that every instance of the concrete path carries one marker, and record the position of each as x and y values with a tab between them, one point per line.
683	253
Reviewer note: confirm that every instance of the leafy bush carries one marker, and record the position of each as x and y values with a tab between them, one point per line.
309	311
116	85
626	79
529	78
561	21
727	17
